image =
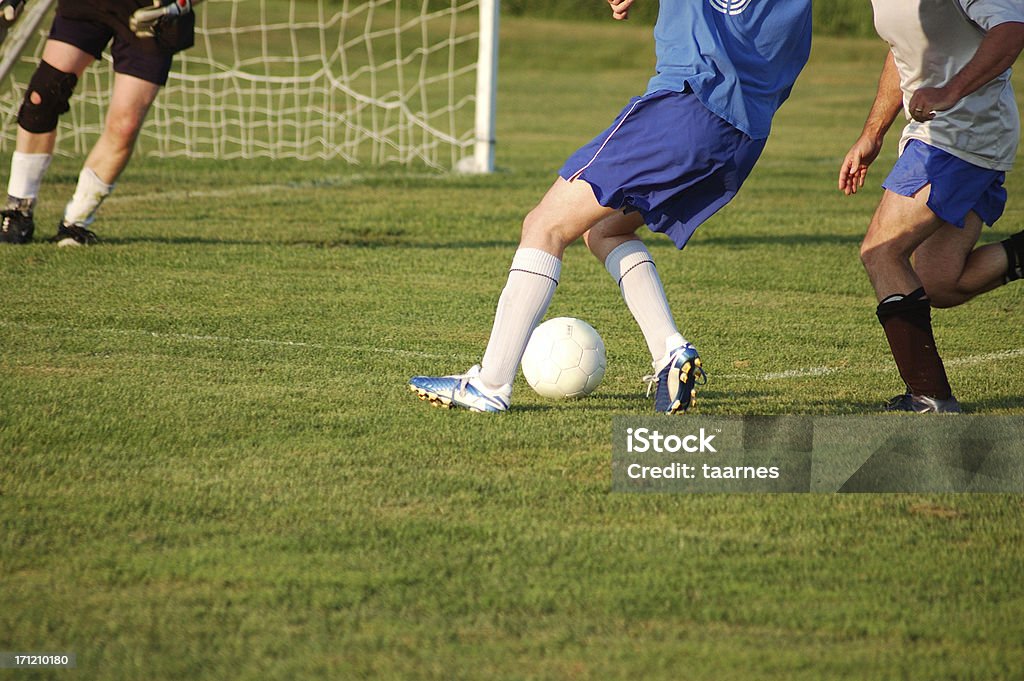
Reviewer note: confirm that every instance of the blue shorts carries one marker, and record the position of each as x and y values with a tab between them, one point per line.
958	187
668	157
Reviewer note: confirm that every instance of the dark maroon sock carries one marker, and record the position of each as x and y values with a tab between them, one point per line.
1015	256
907	321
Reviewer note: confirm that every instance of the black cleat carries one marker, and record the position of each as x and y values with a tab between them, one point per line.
16	225
74	235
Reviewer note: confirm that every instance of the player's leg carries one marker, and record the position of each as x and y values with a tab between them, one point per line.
48	95
46	98
614	242
141	68
954	271
130	101
676	364
677	183
567	210
900	225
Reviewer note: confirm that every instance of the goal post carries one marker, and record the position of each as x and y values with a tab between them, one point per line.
370	82
486	88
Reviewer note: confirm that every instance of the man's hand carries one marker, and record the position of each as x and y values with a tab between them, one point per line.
620	9
855	166
10	10
145	21
928	100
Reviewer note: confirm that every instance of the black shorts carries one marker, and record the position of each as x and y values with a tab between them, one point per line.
91	30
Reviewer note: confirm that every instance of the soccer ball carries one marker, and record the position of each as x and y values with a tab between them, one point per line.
564	358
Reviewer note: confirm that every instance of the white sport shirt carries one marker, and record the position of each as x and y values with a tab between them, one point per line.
931	41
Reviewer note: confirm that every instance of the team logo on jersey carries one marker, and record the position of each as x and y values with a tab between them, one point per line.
730	7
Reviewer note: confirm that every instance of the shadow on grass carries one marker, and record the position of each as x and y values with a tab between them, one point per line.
771	240
400	239
755	403
991	404
362	243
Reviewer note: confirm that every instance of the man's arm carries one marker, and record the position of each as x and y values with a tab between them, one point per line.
888	104
998	51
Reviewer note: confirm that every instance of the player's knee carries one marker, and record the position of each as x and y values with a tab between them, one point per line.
47	97
538	228
878	255
533	223
124	126
600	244
869	255
592	241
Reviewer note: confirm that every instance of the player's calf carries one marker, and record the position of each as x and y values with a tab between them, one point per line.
906	321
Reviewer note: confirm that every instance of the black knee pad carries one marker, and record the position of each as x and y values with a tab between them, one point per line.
54	88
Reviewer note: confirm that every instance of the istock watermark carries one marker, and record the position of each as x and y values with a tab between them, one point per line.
643	440
880	453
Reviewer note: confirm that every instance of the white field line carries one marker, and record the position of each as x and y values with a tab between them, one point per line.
982	359
799	372
807	372
257	189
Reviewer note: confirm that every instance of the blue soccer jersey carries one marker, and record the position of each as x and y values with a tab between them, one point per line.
740	57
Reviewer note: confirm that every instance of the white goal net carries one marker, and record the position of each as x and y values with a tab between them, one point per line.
369	81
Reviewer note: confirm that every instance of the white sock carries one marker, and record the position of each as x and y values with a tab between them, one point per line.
88	196
632	267
27	172
532	279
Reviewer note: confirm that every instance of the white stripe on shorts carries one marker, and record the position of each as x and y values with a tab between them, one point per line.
575	176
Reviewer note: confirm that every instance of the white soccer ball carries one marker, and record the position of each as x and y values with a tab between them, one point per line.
564	358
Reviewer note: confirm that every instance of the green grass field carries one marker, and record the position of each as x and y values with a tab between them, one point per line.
211	468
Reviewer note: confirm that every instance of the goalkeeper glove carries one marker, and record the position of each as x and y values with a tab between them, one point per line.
145	21
10	10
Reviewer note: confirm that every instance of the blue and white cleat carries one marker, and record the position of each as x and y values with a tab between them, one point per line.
675	380
464	390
